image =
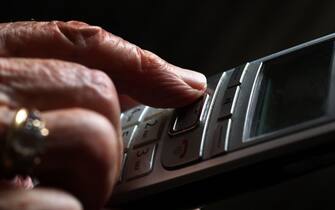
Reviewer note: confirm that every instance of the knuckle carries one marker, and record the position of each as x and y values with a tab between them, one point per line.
98	139
95	123
93	135
79	33
101	80
102	86
90	147
150	62
77	23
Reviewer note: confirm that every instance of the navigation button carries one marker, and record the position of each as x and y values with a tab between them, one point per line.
187	118
140	161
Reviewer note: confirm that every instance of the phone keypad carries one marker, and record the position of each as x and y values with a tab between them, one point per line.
140	161
141	130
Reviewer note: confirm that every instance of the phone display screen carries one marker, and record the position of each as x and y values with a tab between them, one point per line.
292	89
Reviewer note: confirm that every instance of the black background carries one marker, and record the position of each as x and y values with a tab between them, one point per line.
209	36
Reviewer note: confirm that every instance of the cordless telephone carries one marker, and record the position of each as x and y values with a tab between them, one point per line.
263	109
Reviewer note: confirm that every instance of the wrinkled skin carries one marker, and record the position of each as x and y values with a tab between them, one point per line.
79	76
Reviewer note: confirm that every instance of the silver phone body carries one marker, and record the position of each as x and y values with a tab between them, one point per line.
167	148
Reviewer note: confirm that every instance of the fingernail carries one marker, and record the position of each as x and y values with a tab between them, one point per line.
194	79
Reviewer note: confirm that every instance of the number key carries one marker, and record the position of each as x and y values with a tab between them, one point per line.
140	161
132	116
148	131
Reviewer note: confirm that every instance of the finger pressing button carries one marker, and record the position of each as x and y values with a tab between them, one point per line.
186	118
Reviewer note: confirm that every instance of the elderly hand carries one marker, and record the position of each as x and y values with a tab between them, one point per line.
75	75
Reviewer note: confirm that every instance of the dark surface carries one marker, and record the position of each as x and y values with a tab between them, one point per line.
210	36
312	191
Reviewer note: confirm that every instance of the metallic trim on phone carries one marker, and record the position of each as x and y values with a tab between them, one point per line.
251	104
232	108
209	115
243	71
226	144
229	121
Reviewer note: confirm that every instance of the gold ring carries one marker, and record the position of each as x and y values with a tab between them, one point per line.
25	142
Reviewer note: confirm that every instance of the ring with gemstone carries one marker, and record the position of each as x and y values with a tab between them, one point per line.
24	144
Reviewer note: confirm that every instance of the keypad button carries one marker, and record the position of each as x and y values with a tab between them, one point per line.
132	116
148	131
235	78
219	139
140	161
128	136
149	112
187	117
181	150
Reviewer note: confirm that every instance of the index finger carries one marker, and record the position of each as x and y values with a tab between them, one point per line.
136	72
